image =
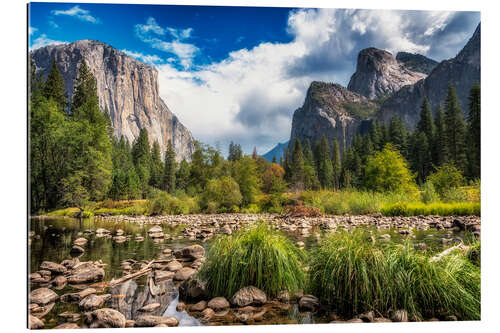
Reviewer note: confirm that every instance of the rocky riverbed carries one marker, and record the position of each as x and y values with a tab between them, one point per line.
119	271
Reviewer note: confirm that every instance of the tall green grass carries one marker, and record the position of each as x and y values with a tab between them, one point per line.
258	256
435	208
353	276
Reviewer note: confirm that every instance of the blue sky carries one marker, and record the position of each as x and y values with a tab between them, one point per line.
238	73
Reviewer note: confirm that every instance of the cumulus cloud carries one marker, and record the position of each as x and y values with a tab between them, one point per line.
43	40
250	96
77	12
155	35
150	59
32	30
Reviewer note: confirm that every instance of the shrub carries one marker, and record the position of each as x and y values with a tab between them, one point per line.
474	254
221	193
429	193
437	208
350	274
164	203
258	256
446	177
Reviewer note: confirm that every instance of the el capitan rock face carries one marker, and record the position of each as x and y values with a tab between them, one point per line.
327	110
378	73
126	87
462	71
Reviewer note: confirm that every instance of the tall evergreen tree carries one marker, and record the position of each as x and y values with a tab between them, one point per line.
336	165
255	156
455	130
308	153
141	154
297	165
397	134
325	168
439	151
474	132
274	160
54	86
376	135
235	152
156	179
421	156
170	169
426	125
182	175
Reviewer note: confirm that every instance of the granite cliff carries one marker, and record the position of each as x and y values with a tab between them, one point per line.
127	87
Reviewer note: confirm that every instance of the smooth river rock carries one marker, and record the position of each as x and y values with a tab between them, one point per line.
106	318
249	296
43	296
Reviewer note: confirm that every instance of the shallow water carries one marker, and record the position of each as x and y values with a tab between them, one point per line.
53	239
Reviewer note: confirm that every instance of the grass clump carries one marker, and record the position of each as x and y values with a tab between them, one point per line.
435	208
353	276
258	256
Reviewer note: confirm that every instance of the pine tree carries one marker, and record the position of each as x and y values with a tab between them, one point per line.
397	134
474	132
254	153
54	86
297	166
182	175
85	90
308	153
274	160
325	168
170	169
235	152
422	159
156	179
336	165
376	135
455	130
439	143
141	154
426	125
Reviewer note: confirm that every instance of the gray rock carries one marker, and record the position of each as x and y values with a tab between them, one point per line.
77	249
200	306
218	304
106	318
150	307
191	252
34	323
80	241
249	296
86	273
152	321
93	301
184	274
42	296
53	267
308	303
77	297
67	326
174	266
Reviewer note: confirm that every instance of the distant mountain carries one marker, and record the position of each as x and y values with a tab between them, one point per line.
127	87
378	74
416	62
278	151
332	110
462	71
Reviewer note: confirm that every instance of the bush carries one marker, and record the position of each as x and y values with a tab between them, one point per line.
437	208
221	193
474	254
350	274
165	204
258	256
429	193
446	177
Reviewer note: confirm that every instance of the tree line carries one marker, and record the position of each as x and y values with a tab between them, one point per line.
75	157
445	139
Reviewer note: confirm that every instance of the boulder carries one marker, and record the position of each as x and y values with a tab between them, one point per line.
77	297
80	241
70	316
106	318
180	307
43	296
284	297
156	232
152	321
163	275
249	296
367	317
200	306
93	301
174	266
184	274
120	239
150	307
53	267
192	289
218	304
308	303
59	281
130	323
77	250
41	311
208	314
70	263
34	323
86	273
192	252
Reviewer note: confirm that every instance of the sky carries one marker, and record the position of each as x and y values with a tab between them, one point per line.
238	73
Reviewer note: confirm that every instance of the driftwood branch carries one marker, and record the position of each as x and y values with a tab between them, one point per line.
125	278
446	252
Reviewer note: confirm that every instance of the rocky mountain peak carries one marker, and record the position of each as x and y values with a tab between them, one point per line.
378	73
127	87
416	62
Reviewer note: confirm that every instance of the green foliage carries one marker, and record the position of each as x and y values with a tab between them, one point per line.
454	130
258	256
245	173
474	133
387	171
474	254
359	110
354	277
165	204
429	193
446	177
297	166
222	193
435	208
170	169
324	164
53	88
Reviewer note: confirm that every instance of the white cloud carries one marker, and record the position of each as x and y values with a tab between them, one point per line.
151	32
43	40
53	24
250	96
32	30
150	59
79	13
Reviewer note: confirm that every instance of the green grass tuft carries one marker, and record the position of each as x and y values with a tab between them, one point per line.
258	256
353	276
435	208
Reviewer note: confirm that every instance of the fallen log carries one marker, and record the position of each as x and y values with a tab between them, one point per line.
125	278
446	252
